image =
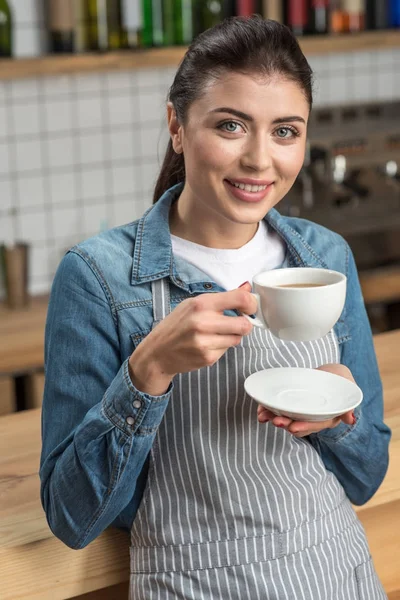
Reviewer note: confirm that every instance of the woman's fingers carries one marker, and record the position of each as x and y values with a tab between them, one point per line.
239	299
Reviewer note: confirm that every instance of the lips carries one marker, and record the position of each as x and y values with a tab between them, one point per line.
248	190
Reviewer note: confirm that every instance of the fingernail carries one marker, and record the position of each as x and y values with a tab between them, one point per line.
244	283
280	425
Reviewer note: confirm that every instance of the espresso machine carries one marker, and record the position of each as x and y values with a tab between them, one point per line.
350	181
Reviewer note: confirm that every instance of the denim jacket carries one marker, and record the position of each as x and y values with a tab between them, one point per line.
98	429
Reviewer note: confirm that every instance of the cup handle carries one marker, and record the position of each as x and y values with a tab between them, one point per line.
258	319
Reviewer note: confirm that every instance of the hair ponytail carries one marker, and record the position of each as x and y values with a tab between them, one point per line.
172	172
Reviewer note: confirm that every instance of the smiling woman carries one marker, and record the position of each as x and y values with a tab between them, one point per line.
146	422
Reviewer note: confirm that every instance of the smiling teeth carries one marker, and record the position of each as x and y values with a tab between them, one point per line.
249	188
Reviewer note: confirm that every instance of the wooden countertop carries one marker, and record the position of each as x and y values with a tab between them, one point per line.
22	337
27	545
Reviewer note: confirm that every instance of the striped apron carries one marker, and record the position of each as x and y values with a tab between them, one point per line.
240	510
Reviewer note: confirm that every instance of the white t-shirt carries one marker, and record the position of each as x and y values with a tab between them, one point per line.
230	268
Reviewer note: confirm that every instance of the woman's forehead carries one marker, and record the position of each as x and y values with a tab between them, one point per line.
253	94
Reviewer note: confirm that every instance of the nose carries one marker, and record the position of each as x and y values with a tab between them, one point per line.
257	154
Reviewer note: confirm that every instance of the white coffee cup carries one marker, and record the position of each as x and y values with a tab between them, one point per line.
297	313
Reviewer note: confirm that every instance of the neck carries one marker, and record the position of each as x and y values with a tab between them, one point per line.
184	223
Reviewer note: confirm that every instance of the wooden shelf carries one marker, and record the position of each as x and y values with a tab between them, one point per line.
163	57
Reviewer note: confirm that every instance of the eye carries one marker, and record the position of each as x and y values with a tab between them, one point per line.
230	126
285	133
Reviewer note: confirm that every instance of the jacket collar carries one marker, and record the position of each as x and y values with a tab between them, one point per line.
153	258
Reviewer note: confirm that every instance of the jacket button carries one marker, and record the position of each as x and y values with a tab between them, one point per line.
208	286
130	420
137	404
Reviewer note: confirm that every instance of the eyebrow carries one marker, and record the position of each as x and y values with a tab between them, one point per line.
246	117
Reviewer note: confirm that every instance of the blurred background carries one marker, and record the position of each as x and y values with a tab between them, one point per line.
83	87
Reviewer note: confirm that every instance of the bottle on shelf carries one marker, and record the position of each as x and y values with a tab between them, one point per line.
273	9
319	17
80	28
356	14
5	30
183	18
297	16
394	13
339	18
158	23
376	14
132	21
246	8
61	25
104	30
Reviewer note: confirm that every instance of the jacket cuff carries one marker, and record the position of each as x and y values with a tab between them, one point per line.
131	410
341	431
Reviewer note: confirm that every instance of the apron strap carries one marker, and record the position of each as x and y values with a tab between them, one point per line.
161	300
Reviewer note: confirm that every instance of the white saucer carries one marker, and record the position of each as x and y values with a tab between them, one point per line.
303	394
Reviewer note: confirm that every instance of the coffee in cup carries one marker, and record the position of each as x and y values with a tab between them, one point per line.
299	304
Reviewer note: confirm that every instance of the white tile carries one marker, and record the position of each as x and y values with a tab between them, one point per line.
118	81
88	83
6	195
24	89
148	176
58	86
123	210
7	229
149	78
122	145
91	148
38	287
63	188
384	58
31	192
339	89
25	119
4	158
28	42
166	77
32	226
65	221
89	112
338	61
151	108
58	116
93	184
322	94
5	87
60	152
120	109
28	155
360	60
385	86
95	217
38	261
4	117
362	85
150	139
123	180
396	88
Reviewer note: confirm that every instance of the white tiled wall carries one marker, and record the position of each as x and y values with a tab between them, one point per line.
81	153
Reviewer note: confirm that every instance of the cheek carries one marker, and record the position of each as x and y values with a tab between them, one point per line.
291	161
210	155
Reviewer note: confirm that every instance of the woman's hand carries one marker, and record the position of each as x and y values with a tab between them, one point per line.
303	428
194	335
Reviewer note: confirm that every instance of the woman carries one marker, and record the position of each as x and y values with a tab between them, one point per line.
146	424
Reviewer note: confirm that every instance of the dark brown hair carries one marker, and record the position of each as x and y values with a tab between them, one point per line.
241	44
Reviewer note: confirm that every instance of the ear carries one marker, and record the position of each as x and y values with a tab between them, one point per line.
175	129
